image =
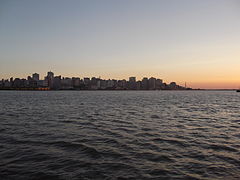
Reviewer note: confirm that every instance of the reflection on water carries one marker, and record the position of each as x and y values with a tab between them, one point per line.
119	135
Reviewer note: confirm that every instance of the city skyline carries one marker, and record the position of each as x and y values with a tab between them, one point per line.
53	82
194	85
186	41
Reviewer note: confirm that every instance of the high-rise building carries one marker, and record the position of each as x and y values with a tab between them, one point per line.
49	78
139	83
132	83
66	83
103	84
35	77
132	79
87	81
50	74
173	85
110	84
159	84
57	82
152	83
145	83
76	82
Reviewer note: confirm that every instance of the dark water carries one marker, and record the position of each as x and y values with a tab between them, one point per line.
119	135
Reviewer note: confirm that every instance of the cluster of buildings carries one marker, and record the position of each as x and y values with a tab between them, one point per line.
51	82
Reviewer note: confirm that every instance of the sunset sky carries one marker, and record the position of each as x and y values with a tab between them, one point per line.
193	41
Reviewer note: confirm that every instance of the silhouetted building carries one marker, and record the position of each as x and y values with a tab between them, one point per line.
159	84
103	84
145	83
7	84
86	81
17	83
11	81
152	83
57	83
49	78
76	82
35	77
132	83
66	83
50	74
172	86
42	83
94	83
110	84
139	85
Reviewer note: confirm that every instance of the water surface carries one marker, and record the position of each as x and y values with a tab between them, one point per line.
119	135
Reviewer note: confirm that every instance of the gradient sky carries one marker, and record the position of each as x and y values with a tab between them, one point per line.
193	41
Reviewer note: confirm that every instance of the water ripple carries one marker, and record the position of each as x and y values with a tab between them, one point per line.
119	135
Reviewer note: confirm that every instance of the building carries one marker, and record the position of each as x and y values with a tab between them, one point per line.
110	84
144	83
159	84
35	77
132	83
139	84
49	78
172	85
152	83
66	83
103	84
17	83
50	74
94	83
76	82
56	83
86	81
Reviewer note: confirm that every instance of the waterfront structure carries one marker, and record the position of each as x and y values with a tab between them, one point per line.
145	83
35	77
49	79
159	83
57	82
75	83
152	83
132	83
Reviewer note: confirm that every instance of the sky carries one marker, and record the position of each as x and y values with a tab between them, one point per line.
192	41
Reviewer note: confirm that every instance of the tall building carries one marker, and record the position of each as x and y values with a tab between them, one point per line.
159	84
103	84
57	82
145	83
173	85
94	83
35	77
49	78
76	82
87	81
132	83
110	84
66	83
152	83
139	83
31	82
7	84
50	74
